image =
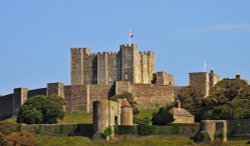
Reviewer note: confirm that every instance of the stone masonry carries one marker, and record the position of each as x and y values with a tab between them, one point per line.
98	76
128	64
203	80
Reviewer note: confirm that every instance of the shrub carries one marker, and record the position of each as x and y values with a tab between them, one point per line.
145	130
59	129
162	117
19	127
125	130
199	137
40	109
38	129
107	132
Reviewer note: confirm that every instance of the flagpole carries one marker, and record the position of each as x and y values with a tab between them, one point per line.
205	66
129	38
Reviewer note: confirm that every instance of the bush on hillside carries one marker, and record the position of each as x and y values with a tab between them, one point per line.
40	109
229	99
191	100
163	116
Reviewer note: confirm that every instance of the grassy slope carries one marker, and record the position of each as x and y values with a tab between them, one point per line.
129	141
83	141
77	117
146	113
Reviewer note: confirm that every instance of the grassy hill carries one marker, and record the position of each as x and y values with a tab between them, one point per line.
77	117
126	141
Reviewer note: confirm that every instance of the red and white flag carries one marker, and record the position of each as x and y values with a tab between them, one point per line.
131	34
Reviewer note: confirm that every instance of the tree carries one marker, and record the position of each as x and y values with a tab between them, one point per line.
163	116
229	99
130	99
40	109
191	99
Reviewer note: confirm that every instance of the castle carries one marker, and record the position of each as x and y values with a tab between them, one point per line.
97	76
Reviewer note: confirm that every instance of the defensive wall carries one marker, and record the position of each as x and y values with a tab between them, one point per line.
79	98
235	127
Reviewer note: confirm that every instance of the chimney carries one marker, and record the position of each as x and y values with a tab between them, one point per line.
212	71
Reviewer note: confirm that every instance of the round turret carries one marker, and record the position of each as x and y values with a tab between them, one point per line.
126	113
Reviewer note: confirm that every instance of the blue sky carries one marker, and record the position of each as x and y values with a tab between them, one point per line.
36	36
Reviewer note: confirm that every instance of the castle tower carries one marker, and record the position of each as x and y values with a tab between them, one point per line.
56	89
105	114
213	79
20	95
130	65
105	68
203	81
78	59
136	67
126	113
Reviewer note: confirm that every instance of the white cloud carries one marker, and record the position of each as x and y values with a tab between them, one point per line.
225	27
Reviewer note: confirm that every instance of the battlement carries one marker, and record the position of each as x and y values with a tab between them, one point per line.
123	46
147	53
86	51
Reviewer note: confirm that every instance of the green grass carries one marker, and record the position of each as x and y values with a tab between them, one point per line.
131	141
125	141
76	117
10	120
146	113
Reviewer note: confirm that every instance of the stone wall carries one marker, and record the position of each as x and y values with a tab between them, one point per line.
150	95
56	89
41	91
183	119
79	98
163	78
213	79
203	81
200	80
6	106
98	92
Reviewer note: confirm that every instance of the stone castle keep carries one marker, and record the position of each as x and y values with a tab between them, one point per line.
98	76
105	68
